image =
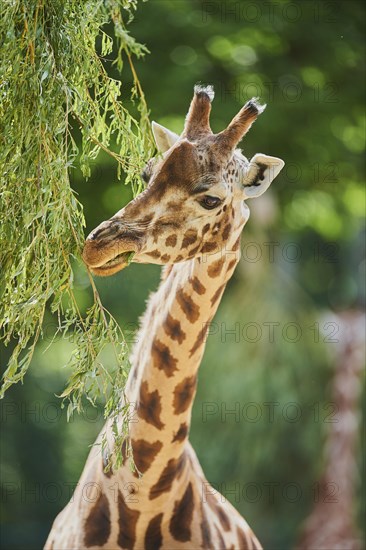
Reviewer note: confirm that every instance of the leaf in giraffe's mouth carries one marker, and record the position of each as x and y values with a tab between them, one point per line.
130	256
124	257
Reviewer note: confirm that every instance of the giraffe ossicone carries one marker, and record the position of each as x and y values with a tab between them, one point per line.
188	219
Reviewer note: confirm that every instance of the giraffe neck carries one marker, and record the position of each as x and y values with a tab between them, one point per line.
169	349
172	503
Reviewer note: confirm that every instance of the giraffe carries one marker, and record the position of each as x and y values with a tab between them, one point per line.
189	219
331	522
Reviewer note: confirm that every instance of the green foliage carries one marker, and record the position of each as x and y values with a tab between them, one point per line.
54	86
305	62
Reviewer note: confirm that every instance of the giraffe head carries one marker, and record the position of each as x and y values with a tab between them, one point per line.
195	188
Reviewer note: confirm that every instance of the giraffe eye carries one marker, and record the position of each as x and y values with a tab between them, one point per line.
209	202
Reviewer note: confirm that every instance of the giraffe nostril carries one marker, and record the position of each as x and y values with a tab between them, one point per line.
94	235
105	230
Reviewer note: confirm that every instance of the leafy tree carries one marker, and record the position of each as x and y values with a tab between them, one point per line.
59	108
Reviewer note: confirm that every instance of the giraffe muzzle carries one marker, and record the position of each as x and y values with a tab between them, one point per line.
110	247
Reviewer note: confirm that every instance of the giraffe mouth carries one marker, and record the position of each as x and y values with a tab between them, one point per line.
114	264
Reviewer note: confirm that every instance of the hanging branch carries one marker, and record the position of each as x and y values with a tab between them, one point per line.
52	75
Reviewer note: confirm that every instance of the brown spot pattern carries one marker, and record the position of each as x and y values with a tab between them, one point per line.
206	532
205	228
190	309
127	524
231	264
189	238
154	254
181	433
149	407
162	358
236	244
222	515
180	523
172	470
156	231
215	268
171	240
98	523
144	454
153	536
242	539
200	339
217	294
197	286
183	394
193	251
209	247
226	231
173	329
222	545
224	519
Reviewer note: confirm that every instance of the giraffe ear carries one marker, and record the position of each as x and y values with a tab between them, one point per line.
164	138
261	172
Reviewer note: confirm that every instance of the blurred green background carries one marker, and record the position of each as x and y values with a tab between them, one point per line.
302	258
